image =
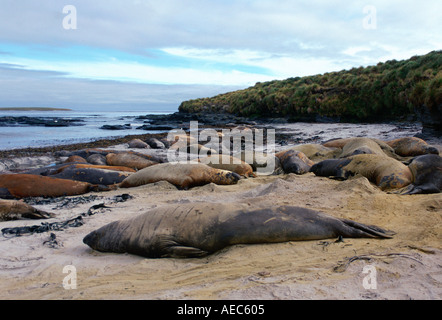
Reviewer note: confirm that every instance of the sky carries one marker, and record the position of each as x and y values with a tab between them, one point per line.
152	55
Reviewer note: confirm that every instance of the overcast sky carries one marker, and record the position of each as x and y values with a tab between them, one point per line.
141	54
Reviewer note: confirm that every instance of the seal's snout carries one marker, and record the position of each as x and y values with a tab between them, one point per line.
432	150
233	176
91	239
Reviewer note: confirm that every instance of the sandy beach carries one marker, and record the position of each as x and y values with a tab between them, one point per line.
408	266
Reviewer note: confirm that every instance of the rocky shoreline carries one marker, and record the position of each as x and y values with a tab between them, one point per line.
180	120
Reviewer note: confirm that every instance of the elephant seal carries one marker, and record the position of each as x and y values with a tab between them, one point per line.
76	159
182	175
293	161
138	144
385	172
199	229
129	160
154	143
29	185
317	152
229	163
97	159
18	210
103	175
412	147
261	163
355	146
427	175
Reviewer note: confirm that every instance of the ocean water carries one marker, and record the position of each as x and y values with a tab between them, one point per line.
23	136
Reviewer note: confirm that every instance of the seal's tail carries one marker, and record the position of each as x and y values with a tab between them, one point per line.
369	231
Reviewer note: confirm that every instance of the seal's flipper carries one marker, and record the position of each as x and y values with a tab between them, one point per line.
170	248
368	231
184	252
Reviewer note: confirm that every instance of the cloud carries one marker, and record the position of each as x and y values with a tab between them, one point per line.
24	88
198	46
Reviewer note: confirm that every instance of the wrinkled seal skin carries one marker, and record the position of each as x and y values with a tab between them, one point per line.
427	175
293	161
18	210
27	185
387	173
412	147
196	230
182	175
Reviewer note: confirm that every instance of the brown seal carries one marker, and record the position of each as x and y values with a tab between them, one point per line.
387	173
412	147
99	175
130	160
182	175
317	152
18	210
199	229
138	144
29	185
293	161
229	163
427	175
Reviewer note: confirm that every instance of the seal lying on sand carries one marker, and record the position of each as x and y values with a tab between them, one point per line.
129	160
411	147
317	152
28	185
386	173
293	161
354	146
18	210
427	175
228	163
93	174
182	175
199	229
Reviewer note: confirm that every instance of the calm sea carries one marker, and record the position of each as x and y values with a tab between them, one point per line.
23	136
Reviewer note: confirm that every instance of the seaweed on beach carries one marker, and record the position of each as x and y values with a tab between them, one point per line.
62	225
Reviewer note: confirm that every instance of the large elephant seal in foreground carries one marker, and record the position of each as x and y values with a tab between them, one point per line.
427	175
182	175
412	147
387	173
29	185
18	210
199	229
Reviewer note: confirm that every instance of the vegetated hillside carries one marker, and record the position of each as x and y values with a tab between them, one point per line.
387	91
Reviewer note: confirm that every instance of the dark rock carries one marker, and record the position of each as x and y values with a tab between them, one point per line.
116	127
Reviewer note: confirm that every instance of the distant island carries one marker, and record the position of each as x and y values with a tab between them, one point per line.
395	90
34	109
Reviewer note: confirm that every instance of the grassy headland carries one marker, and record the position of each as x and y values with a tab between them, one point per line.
387	91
